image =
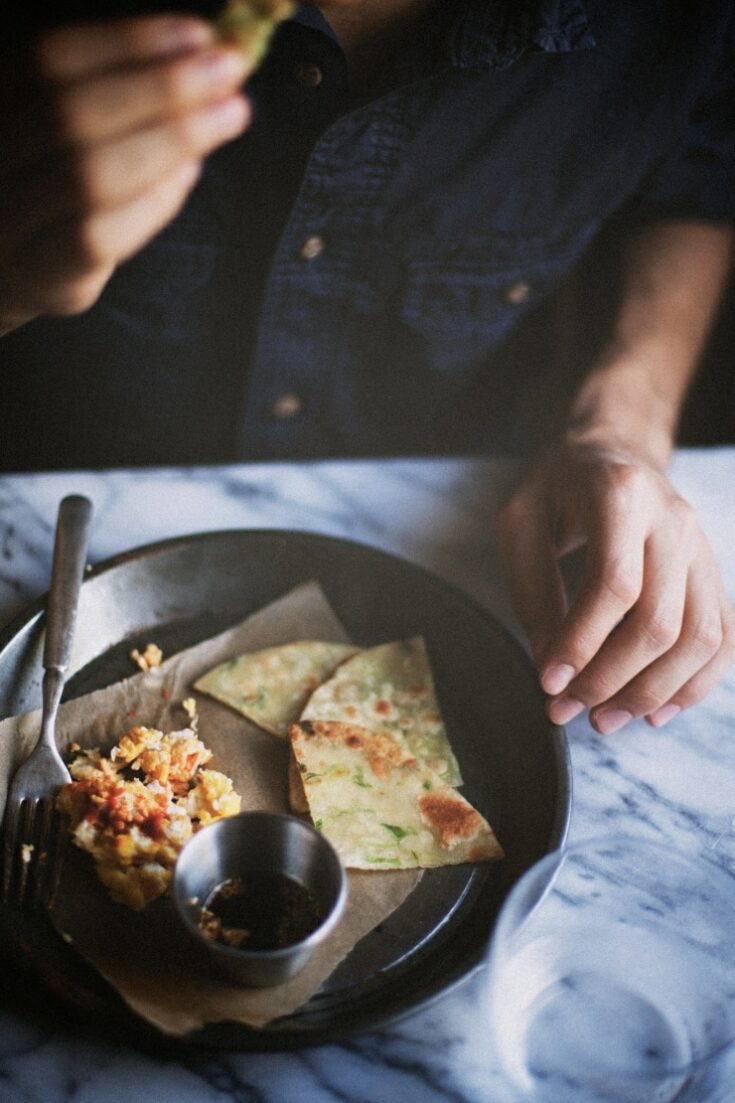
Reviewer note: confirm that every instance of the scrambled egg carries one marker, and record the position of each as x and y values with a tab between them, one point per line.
134	810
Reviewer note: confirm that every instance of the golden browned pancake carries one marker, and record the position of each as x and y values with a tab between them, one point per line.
390	688
379	806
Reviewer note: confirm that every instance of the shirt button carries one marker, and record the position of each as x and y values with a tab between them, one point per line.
312	247
309	74
517	293
286	405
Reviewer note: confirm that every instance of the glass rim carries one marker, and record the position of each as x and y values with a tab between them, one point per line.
699	863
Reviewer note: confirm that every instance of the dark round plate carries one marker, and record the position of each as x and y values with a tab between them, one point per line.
514	762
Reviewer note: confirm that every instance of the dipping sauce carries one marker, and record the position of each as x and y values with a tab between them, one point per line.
262	911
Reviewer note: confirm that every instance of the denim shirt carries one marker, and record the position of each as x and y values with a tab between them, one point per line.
352	276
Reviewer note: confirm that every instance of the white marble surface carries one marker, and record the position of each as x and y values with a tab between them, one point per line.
677	784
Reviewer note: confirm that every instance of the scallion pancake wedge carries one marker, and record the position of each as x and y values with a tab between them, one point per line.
270	687
391	688
379	806
250	24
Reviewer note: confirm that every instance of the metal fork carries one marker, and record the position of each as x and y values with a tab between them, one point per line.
33	836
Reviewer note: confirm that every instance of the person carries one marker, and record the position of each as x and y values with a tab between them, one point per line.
340	258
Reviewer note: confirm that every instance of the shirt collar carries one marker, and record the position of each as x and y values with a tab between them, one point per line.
309	16
494	33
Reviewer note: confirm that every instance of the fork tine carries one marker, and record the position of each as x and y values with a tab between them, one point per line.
55	857
41	838
25	857
15	868
32	854
10	837
46	870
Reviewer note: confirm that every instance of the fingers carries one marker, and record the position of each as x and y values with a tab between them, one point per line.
73	109
697	688
68	269
86	181
651	629
696	659
70	53
116	103
114	235
532	570
117	172
113	138
667	654
617	530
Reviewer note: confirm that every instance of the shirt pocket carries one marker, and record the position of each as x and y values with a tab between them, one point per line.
460	308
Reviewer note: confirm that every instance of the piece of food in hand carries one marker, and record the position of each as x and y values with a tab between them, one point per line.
379	806
390	688
134	809
251	23
271	687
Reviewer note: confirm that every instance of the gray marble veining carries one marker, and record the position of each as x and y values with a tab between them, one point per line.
675	785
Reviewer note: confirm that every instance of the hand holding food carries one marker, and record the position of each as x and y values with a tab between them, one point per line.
117	119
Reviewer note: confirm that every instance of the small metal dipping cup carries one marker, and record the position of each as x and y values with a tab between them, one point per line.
258	843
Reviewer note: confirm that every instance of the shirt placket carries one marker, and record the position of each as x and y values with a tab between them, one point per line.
332	235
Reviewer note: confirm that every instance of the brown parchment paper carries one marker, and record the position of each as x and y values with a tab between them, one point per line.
146	955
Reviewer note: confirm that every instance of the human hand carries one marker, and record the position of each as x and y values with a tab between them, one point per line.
103	131
651	629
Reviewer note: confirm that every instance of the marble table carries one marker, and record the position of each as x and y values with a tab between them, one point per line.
676	784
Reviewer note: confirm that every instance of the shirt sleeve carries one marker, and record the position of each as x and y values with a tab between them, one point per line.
697	180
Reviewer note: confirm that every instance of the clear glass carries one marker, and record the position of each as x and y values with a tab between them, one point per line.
612	977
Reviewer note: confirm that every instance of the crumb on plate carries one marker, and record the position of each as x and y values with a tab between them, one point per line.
150	657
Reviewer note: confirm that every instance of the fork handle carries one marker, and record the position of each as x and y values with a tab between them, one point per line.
70	554
51	690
